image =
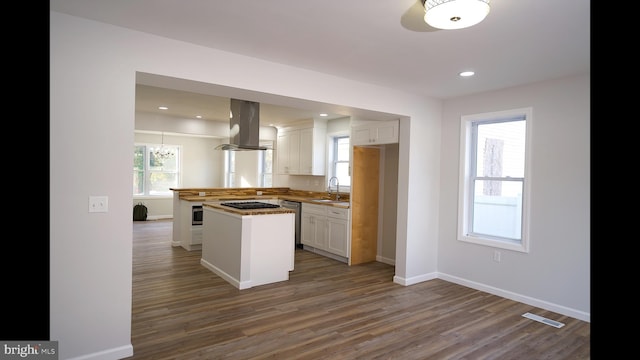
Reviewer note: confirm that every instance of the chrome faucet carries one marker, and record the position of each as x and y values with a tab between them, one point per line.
337	187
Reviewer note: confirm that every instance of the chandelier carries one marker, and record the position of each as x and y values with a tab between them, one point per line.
455	14
162	153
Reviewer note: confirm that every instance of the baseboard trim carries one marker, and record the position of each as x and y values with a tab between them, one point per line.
159	217
110	354
563	310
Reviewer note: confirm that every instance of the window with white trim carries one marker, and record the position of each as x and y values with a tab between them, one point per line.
153	175
339	162
264	167
494	185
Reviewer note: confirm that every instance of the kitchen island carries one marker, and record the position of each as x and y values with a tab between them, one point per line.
248	247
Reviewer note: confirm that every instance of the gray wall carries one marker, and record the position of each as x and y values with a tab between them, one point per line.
558	265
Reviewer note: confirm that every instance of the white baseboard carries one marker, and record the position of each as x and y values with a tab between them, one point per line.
159	217
576	314
109	354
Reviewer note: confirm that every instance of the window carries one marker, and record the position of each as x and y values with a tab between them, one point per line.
153	176
494	188
339	162
264	167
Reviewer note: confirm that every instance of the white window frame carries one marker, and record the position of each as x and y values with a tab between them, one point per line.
467	168
331	163
265	178
148	171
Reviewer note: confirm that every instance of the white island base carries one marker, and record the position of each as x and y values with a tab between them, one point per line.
248	250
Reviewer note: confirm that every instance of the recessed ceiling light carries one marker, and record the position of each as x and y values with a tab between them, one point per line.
163	108
323	114
199	116
466	73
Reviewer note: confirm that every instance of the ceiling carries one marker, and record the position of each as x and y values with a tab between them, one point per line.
383	42
186	104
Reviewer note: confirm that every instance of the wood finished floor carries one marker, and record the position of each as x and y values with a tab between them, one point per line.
327	310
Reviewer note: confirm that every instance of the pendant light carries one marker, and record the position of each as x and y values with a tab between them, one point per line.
162	153
455	14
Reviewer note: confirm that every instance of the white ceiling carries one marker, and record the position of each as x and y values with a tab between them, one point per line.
383	42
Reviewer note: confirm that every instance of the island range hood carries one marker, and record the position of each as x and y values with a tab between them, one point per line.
244	121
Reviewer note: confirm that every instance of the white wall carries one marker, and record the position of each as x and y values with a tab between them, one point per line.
93	70
555	274
388	204
203	166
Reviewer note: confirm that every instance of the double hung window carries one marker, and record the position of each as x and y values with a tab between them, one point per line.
263	161
494	186
156	169
339	162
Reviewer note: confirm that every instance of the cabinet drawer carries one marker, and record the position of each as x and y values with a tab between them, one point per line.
337	212
314	209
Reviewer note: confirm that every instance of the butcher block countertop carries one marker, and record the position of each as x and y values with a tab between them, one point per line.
229	194
269	211
228	198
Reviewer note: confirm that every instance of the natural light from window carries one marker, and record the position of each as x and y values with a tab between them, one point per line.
493	186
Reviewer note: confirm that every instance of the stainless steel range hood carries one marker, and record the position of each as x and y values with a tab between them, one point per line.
244	124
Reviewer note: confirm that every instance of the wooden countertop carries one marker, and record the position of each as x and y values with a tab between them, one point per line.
268	211
343	204
304	199
228	197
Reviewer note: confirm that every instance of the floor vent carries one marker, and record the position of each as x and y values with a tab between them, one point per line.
543	320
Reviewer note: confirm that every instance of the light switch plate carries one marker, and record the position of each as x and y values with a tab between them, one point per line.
98	204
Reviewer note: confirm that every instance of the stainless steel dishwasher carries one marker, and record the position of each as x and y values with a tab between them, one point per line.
295	205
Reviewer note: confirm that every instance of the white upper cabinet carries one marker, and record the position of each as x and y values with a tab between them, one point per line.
374	133
301	148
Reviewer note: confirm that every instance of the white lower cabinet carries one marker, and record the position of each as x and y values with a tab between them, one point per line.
338	231
190	235
313	226
326	228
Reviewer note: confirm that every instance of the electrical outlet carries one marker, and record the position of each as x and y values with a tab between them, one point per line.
496	256
98	204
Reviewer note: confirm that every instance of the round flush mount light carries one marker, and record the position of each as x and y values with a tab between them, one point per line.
466	73
455	14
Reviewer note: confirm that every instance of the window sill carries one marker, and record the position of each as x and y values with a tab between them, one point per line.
500	244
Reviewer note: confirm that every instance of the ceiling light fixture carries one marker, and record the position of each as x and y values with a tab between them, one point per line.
161	154
455	14
466	73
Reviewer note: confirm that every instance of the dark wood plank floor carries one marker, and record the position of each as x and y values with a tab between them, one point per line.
327	310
